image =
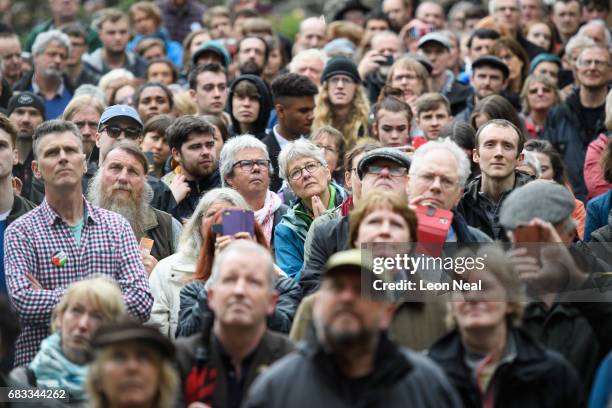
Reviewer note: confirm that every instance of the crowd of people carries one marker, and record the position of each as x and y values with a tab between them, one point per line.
188	197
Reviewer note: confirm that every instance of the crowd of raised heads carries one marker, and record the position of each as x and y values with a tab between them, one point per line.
343	203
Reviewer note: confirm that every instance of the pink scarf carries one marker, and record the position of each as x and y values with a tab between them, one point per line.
265	215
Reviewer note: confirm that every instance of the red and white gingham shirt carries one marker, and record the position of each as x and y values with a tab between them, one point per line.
108	247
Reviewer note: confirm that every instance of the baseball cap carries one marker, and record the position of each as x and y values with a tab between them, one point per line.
129	330
214	46
436	38
492	61
119	111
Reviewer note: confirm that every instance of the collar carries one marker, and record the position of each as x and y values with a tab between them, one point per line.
150	219
58	92
448	83
52	217
280	139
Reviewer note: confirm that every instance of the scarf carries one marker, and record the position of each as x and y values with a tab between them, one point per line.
265	215
54	370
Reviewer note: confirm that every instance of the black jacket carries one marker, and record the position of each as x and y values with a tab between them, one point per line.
310	377
265	106
20	207
332	236
194	307
5	95
535	377
203	367
274	150
567	133
472	207
183	210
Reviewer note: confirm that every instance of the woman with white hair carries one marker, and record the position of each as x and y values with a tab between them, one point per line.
172	273
245	166
303	167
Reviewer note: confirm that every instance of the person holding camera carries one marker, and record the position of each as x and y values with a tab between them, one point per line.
375	64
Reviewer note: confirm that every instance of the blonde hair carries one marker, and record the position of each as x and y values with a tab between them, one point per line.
168	379
350	126
80	102
102	291
184	104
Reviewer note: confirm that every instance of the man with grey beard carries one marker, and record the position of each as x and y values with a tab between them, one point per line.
48	79
120	185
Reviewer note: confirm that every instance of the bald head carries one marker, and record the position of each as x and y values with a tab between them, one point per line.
312	33
431	13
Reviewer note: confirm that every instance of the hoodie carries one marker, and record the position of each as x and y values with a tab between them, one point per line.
265	106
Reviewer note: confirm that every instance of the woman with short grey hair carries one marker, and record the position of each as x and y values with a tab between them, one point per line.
172	273
302	166
245	166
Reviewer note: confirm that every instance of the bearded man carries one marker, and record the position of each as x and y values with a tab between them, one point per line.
120	185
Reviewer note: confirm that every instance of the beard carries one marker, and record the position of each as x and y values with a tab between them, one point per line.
131	206
339	340
53	73
250	67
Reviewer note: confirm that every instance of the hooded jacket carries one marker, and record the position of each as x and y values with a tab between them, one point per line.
265	106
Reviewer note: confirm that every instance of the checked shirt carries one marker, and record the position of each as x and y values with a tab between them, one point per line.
108	247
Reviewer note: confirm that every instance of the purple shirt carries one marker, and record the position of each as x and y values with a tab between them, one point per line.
108	247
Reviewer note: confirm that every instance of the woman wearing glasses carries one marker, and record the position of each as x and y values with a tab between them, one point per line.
303	167
244	165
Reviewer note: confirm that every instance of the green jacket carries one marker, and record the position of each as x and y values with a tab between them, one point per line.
92	36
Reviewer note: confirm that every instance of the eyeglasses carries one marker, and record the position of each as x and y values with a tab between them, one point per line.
311	168
115	131
598	63
393	171
247	165
327	148
429	179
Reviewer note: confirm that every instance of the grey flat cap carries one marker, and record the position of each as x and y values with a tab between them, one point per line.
382	153
542	199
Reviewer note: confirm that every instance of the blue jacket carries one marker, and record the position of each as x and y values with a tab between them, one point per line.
174	50
597	211
290	235
601	393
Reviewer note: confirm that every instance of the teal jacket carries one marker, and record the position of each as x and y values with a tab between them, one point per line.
290	233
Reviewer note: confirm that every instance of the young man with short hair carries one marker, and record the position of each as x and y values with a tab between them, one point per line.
294	101
192	145
114	30
432	114
208	88
499	144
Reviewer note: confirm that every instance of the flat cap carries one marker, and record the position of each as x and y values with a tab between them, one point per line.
547	200
492	61
382	153
130	330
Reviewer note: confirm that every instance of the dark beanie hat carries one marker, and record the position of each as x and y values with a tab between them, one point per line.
340	65
29	100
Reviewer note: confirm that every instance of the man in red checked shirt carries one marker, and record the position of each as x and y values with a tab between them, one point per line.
64	240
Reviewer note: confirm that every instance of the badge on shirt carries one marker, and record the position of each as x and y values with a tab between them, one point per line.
59	259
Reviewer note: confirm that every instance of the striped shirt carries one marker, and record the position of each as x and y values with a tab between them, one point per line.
108	247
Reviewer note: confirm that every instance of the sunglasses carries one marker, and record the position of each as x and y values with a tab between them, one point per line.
115	132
